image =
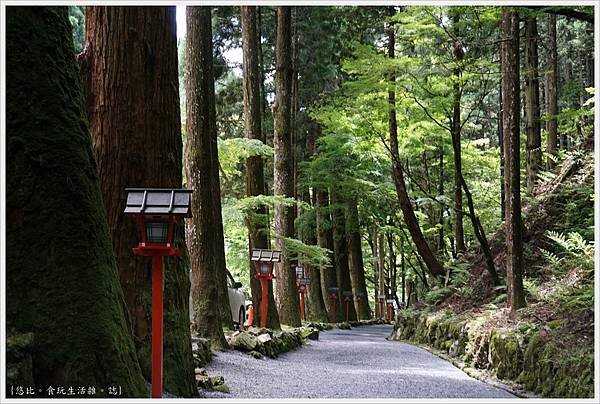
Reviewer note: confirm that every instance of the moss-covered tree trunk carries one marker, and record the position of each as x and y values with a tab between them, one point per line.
286	296
355	257
255	178
201	130
515	296
62	279
129	71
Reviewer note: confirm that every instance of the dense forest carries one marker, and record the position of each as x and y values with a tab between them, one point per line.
432	163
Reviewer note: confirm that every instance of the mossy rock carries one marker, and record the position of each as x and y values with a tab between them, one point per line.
19	363
222	388
505	354
557	371
244	342
344	326
255	354
309	333
201	352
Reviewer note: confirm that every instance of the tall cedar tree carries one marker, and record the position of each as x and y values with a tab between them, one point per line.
288	303
255	179
316	310
62	279
340	248
355	257
433	265
532	103
130	77
201	130
325	240
552	86
510	121
459	232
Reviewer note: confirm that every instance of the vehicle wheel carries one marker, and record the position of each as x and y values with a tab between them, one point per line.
241	318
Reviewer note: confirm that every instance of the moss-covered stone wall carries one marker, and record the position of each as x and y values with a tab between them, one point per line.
535	358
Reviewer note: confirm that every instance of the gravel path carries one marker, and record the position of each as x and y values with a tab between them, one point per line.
356	363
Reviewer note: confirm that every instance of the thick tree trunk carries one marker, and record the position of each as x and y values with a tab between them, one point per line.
316	303
355	257
62	278
255	179
552	81
501	143
201	133
433	265
288	303
511	103
137	142
340	248
325	240
532	103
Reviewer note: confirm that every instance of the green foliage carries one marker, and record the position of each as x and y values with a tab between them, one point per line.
77	20
436	295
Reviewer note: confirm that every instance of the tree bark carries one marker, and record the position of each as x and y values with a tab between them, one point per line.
510	118
136	135
340	248
459	233
532	103
552	80
288	303
62	277
255	178
433	265
325	240
355	257
201	132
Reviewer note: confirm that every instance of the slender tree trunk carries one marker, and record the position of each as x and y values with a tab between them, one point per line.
355	257
441	244
552	80
137	142
532	103
340	248
433	265
255	179
393	267
381	260
316	304
501	143
459	233
511	102
288	303
403	270
325	240
201	132
62	277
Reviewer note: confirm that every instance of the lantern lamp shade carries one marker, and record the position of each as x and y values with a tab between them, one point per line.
347	293
266	255
390	301
159	201
333	290
299	272
382	297
157	232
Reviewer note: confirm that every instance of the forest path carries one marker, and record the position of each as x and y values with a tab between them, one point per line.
356	363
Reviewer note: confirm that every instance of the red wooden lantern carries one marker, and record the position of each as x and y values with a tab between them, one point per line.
390	306
264	260
333	294
157	210
301	284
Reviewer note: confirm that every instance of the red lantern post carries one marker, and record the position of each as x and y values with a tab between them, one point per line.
347	299
381	306
301	284
264	260
157	210
333	294
390	306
